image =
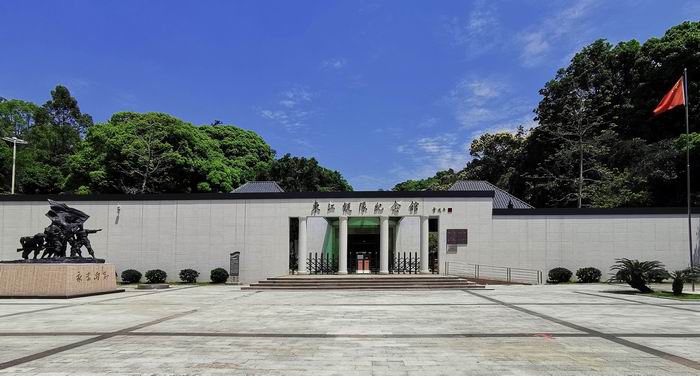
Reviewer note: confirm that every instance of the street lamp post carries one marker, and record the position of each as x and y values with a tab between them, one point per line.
14	140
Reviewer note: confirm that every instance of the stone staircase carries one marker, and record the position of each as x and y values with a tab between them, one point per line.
363	282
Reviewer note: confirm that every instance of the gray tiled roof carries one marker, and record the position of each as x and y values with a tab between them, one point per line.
501	198
259	187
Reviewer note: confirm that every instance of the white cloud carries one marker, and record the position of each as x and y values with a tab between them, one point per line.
427	155
511	126
479	32
334	63
292	110
428	122
294	96
568	25
480	103
303	142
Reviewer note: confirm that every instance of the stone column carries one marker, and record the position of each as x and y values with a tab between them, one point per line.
424	255
383	245
301	252
343	245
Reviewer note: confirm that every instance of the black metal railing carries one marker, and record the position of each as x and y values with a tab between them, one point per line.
405	263
321	263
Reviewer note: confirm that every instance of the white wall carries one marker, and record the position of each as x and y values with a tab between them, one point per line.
575	241
200	234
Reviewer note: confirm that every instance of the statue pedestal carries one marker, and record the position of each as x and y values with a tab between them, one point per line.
56	280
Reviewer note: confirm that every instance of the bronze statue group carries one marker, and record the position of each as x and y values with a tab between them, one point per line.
66	229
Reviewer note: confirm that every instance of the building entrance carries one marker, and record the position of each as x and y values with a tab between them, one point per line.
363	253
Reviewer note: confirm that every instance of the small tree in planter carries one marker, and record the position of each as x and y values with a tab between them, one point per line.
218	275
588	275
559	275
189	275
131	276
636	273
156	276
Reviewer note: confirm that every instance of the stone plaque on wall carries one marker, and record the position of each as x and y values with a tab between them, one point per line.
456	237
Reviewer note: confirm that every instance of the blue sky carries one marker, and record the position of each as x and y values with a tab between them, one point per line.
382	91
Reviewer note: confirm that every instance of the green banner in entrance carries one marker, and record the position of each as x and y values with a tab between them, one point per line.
363	222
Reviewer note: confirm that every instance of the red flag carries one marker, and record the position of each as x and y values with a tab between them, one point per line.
675	97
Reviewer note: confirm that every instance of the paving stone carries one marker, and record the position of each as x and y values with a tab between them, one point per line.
221	330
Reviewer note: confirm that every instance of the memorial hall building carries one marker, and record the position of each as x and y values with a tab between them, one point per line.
260	231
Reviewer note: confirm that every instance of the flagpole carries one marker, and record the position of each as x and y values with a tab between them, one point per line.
687	160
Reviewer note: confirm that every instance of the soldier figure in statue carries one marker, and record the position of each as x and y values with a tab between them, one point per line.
54	241
66	229
80	240
31	244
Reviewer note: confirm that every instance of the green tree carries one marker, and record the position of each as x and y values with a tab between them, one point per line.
299	174
496	158
16	118
41	165
417	185
246	152
63	110
148	153
574	119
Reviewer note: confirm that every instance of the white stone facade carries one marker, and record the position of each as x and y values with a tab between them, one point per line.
191	232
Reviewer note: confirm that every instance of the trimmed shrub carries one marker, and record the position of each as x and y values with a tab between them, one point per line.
189	275
156	276
218	275
588	275
559	275
131	276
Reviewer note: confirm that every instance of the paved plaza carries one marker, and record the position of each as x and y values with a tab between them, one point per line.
202	330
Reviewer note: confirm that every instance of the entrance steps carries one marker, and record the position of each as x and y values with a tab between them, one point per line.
364	282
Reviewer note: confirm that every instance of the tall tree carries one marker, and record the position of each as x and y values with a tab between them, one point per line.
148	153
597	143
495	158
39	164
574	117
17	116
246	152
63	110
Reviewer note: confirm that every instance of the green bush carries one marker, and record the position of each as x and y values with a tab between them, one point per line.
588	275
156	276
218	275
189	275
559	275
131	276
658	276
